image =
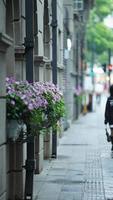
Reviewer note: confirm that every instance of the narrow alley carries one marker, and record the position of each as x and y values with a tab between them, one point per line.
83	169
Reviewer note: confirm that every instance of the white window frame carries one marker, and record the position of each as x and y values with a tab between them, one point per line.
78	5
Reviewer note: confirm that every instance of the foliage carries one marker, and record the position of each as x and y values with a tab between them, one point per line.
38	105
103	8
99	37
78	94
78	98
103	57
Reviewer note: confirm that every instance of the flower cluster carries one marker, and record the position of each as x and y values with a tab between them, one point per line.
78	91
39	105
78	94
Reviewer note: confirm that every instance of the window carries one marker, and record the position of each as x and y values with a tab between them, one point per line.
78	5
9	18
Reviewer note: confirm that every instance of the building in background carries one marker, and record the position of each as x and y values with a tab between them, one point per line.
76	14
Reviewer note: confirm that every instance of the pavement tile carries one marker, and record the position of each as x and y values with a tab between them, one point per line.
70	196
84	167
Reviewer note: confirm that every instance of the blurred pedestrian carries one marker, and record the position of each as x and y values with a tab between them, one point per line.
98	91
109	113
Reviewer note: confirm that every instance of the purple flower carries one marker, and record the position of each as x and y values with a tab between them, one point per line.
29	97
77	91
30	106
23	97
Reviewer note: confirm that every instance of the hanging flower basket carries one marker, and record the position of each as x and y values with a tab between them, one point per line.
38	105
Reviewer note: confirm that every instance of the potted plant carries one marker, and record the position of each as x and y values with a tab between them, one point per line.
53	112
14	109
55	108
38	105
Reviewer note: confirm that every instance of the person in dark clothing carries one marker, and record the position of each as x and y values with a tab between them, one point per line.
109	113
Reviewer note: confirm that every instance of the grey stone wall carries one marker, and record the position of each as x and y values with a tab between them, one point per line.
4	43
69	64
2	130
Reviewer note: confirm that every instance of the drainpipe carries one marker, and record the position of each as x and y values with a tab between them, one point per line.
29	45
54	66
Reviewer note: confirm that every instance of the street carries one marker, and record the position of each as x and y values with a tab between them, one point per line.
84	167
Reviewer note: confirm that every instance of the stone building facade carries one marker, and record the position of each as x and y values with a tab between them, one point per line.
75	19
12	63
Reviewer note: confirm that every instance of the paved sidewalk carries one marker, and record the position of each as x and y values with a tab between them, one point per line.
84	167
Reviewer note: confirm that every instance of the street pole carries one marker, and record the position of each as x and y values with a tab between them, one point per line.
109	63
54	66
90	104
29	45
